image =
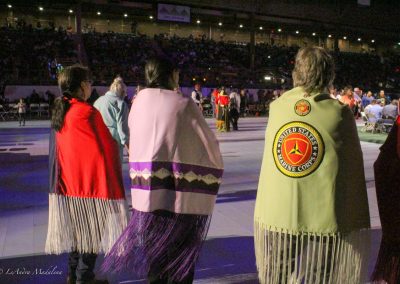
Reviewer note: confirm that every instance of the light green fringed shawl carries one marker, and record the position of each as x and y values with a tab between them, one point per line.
311	195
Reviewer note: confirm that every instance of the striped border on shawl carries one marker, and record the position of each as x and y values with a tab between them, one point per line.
174	176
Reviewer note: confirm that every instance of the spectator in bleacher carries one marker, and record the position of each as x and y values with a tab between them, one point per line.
21	106
390	110
115	113
169	143
87	207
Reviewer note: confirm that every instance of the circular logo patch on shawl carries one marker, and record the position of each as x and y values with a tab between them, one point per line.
302	107
298	149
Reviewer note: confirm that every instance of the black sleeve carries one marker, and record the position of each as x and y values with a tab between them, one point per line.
53	167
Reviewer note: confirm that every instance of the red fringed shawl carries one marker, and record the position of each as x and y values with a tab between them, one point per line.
88	156
87	207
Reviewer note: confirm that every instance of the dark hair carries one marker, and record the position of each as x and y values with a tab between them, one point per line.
69	81
347	88
314	69
158	73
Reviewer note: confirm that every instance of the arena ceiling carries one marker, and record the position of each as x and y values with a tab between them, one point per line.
323	17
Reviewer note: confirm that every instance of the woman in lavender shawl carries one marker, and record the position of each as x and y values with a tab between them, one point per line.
175	169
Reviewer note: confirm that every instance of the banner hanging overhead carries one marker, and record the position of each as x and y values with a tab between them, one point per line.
364	2
173	13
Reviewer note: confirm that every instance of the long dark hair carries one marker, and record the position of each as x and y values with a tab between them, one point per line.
158	73
69	81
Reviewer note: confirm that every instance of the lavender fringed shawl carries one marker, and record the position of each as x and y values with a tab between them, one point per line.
175	169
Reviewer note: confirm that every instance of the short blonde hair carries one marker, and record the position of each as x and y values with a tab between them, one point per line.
118	87
314	69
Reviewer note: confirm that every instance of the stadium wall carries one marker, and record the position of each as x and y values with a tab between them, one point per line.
15	92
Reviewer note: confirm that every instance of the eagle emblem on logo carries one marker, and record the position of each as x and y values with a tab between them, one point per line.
302	107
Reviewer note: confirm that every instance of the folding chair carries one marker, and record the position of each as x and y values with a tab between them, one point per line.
34	109
387	123
12	111
372	124
44	108
3	113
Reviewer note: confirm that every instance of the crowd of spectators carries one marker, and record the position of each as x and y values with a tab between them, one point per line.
112	54
29	55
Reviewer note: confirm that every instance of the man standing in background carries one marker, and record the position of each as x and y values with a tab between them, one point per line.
197	96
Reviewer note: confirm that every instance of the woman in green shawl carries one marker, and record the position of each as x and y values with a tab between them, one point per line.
311	201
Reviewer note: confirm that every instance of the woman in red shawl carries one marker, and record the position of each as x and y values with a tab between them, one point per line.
387	182
87	207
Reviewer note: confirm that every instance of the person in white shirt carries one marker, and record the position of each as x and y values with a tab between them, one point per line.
197	96
21	112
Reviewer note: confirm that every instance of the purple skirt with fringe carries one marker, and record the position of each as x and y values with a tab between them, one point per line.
160	242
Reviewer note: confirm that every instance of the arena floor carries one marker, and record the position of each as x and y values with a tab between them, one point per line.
228	253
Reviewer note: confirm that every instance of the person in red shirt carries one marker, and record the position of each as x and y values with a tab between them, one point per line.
223	111
348	98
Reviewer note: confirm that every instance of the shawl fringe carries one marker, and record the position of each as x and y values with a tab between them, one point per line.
85	225
292	258
160	242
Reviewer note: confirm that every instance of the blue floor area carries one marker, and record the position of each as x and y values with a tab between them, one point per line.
237	258
227	256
